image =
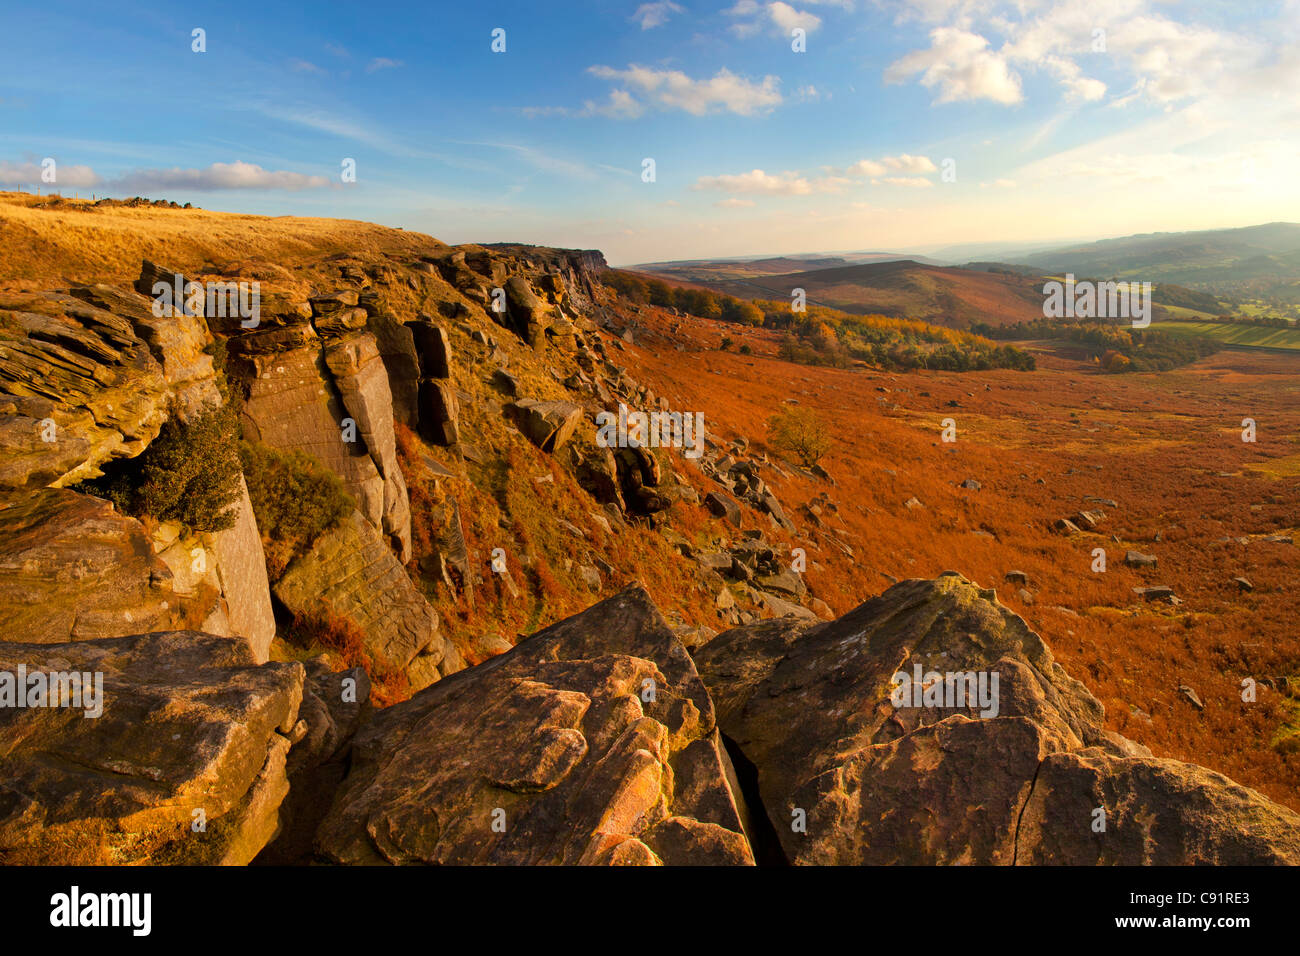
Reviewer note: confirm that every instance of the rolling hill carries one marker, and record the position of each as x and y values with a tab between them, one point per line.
1270	250
902	289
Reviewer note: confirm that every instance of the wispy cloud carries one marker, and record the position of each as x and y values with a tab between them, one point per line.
218	176
383	63
651	15
545	161
831	180
672	89
758	181
753	16
30	174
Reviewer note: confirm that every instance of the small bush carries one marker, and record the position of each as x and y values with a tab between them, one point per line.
189	474
295	498
800	433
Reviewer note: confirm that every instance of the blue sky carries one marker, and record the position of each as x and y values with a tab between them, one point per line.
900	126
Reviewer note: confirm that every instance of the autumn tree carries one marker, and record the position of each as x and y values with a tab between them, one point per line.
798	432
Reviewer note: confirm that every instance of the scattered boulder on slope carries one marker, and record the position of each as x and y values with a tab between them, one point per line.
847	777
593	741
548	424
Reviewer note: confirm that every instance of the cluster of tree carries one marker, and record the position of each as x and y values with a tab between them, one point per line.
826	337
693	301
1117	348
1166	293
1268	321
823	336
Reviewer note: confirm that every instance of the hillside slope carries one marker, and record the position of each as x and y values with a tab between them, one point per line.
1213	255
904	289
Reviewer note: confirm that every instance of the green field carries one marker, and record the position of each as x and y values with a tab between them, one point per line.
1254	336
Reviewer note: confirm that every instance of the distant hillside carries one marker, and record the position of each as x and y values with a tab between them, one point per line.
904	289
1271	250
716	270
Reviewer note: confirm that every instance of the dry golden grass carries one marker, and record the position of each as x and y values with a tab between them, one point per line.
84	243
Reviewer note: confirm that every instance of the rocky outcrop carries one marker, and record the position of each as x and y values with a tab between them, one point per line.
220	579
1022	775
362	382
114	372
178	342
300	399
350	573
241	570
185	763
73	569
437	404
78	387
593	741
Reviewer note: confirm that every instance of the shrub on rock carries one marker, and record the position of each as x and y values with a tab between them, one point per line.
295	498
189	474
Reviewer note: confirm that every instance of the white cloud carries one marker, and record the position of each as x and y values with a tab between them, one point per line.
867	167
962	66
910	164
236	175
903	163
757	181
651	15
999	184
734	203
672	89
383	63
788	18
621	105
29	174
915	182
1168	60
303	66
779	14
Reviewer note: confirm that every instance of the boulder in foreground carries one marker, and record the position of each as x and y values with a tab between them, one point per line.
591	742
192	734
1024	774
